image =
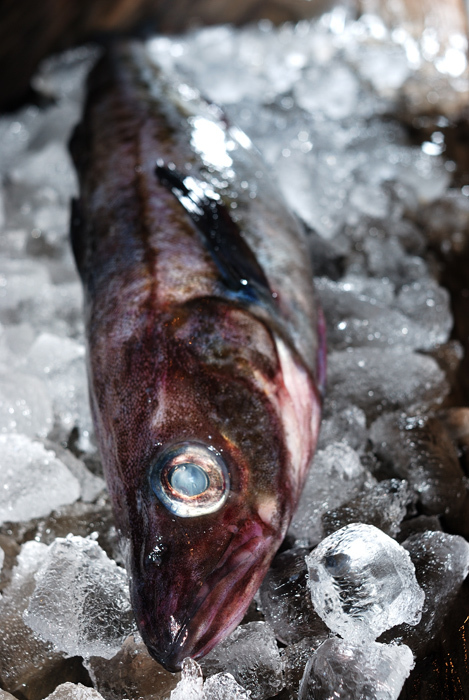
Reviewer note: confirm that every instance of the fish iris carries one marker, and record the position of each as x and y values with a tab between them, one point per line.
189	479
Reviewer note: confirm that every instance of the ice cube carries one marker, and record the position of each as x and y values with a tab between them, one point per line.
49	167
252	656
25	405
334	92
6	696
383	505
441	565
379	379
20	283
61	363
355	319
90	484
26	662
335	476
295	657
131	673
285	602
70	691
34	482
362	582
429	305
190	687
343	670
347	426
386	67
81	600
222	686
419	449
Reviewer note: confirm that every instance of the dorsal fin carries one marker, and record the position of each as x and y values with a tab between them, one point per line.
237	264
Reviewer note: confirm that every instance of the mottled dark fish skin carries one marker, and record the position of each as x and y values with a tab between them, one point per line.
176	352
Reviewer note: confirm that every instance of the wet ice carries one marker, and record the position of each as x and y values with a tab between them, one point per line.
34	482
81	600
252	656
336	475
362	582
344	670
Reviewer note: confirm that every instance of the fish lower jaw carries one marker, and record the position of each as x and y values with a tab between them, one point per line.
219	605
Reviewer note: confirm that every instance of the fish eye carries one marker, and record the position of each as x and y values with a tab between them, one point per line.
190	479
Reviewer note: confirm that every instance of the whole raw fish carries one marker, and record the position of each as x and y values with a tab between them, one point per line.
205	348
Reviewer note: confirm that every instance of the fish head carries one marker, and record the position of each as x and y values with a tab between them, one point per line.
213	475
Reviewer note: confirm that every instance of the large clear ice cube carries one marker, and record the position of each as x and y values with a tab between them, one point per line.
362	582
81	600
344	670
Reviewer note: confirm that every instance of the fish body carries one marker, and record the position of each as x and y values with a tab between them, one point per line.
205	348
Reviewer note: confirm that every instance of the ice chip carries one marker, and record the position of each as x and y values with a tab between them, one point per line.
362	582
357	319
70	691
347	426
6	696
336	475
441	564
378	379
34	482
343	670
190	687
383	505
419	449
429	305
60	362
222	686
50	167
334	92
25	405
90	484
25	660
81	600
252	656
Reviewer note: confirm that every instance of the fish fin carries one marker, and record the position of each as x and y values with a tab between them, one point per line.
236	262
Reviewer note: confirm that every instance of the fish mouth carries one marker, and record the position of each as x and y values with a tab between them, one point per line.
220	604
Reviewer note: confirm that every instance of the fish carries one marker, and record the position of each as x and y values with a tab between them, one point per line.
205	347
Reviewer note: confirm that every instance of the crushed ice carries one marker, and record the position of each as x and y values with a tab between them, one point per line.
316	98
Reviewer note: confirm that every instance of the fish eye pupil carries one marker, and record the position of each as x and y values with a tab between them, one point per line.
188	479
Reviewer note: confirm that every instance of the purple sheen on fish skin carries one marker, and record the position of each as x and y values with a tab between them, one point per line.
180	364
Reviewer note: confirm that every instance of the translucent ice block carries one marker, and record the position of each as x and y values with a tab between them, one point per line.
34	481
362	582
81	600
344	671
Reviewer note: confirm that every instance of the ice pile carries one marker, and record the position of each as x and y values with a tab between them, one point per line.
319	100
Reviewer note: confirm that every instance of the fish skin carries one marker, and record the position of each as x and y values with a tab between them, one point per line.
176	354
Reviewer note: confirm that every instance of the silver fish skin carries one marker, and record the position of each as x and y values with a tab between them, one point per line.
205	347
